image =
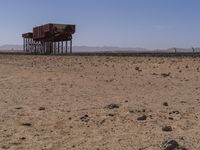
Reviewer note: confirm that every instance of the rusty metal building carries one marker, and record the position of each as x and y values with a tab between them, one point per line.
49	39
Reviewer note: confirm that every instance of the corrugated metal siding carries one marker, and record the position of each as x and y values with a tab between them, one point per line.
45	31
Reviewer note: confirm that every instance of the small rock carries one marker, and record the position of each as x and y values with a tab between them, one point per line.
112	106
171	145
138	69
175	112
6	147
167	129
85	118
16	143
102	122
49	79
41	108
27	124
165	104
165	74
144	117
22	138
18	108
111	115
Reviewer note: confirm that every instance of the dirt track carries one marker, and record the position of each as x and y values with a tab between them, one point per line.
59	103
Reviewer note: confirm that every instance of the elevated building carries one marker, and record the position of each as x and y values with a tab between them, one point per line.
49	39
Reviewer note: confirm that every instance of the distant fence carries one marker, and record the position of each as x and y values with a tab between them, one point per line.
179	50
173	52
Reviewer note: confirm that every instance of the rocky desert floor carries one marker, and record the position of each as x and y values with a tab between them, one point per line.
99	103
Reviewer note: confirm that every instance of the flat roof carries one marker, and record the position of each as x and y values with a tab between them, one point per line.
27	35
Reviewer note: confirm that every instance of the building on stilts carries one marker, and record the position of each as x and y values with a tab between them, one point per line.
49	39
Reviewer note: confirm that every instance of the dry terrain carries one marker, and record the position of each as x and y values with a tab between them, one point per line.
98	103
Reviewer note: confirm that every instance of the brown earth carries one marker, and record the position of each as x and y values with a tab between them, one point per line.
98	103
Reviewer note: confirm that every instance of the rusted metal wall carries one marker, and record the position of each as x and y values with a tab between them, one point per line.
49	39
27	35
53	32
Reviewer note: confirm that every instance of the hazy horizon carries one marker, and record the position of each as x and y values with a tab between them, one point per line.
151	24
107	49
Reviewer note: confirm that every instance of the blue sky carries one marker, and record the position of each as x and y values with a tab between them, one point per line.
125	23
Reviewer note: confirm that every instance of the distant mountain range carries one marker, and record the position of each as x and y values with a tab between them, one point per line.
107	49
183	50
11	47
80	48
103	49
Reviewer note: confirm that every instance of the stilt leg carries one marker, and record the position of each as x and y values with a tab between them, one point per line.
62	47
71	46
66	46
58	47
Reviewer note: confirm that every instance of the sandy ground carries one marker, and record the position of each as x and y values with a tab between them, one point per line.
61	103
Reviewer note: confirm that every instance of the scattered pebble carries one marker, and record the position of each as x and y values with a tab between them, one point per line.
165	104
18	108
111	115
41	108
126	101
165	74
142	148
174	112
138	69
50	79
167	129
170	118
171	145
102	122
22	138
85	118
198	69
142	118
155	74
6	147
112	106
27	124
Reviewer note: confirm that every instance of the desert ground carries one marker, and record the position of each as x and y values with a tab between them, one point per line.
99	102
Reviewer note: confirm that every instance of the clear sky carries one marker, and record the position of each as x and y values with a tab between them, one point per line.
124	23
